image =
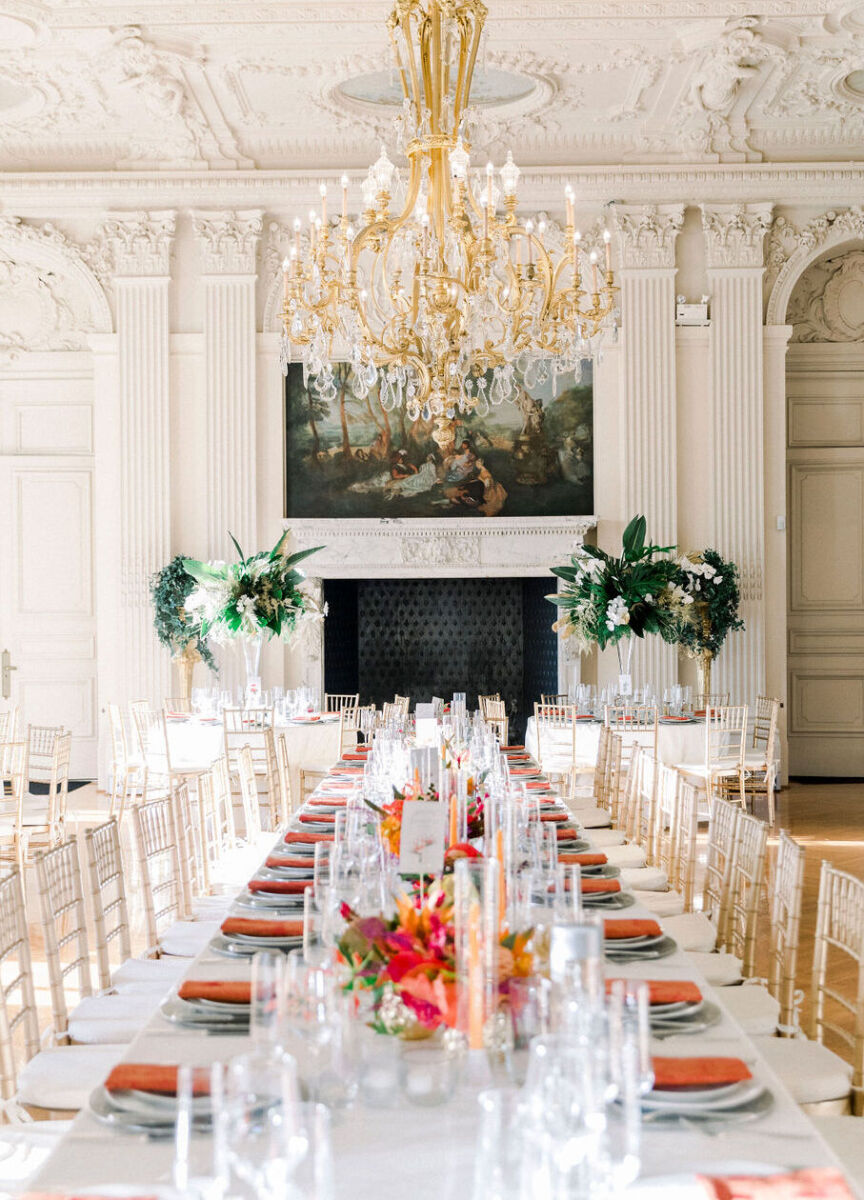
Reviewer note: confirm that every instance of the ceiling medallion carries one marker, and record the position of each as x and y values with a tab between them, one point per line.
440	304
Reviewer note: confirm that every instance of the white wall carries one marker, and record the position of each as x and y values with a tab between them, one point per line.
161	423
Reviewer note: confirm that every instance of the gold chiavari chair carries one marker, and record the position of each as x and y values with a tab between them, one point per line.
339	701
128	769
745	889
817	1076
556	732
40	817
59	1079
548	698
90	1019
722	772
674	826
593	809
13	757
177	704
403	703
639	721
495	716
760	764
283	762
194	876
224	805
9	723
356	720
482	701
155	746
705	700
249	794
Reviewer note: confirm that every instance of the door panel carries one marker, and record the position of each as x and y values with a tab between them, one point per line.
47	619
826	560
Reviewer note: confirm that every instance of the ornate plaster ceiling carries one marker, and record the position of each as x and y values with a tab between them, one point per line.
86	85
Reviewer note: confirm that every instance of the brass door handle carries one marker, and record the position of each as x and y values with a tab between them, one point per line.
6	670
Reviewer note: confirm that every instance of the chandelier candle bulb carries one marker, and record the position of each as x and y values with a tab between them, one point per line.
322	190
607	238
568	193
344	182
592	258
286	281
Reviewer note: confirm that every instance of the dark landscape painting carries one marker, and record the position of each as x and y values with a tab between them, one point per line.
351	458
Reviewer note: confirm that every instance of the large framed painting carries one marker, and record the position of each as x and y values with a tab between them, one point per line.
349	457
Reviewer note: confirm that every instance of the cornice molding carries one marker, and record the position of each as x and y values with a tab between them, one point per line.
228	240
735	234
48	194
140	242
647	234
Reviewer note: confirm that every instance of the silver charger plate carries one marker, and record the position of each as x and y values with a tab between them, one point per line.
609	900
696	1018
230	947
194	1014
634	953
125	1110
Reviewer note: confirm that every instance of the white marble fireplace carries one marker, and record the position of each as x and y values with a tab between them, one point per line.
442	548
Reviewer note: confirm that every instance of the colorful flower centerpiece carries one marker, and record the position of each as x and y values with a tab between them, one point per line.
252	599
406	964
710	585
391	814
608	601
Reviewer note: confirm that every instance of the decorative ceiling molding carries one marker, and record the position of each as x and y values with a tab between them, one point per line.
735	234
140	242
647	234
228	240
791	250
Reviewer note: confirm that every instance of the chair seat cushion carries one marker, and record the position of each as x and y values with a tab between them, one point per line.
100	1020
843	1135
693	931
753	1007
603	838
591	817
185	939
211	907
720	970
646	879
146	971
626	856
63	1078
810	1071
662	904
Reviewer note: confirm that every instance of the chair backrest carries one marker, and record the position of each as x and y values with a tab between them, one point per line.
224	804
187	822
787	895
9	723
390	712
64	927
482	701
638	719
245	727
495	716
623	786
177	704
249	793
682	867
158	862
137	707
152	736
107	897
547	698
338	701
765	722
745	889
554	716
438	706
667	809
837	993
283	763
41	740
725	734
277	805
705	700
13	767
722	837
403	703
119	746
19	1021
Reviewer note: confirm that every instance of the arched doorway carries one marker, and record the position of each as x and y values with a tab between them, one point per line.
825	508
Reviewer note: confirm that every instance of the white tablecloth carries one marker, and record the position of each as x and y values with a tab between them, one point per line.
196	743
675	743
428	1153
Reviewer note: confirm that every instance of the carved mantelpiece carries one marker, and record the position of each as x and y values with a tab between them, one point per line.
438	547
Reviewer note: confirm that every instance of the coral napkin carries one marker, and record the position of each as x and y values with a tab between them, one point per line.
599	886
555	816
291	887
149	1077
523	770
307	839
286	860
583	860
514	747
537	783
253	927
624	927
330	801
672	1073
317	818
347	770
821	1183
668	991
566	832
307	717
229	991
359	756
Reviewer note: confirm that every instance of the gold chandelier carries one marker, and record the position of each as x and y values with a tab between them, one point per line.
441	304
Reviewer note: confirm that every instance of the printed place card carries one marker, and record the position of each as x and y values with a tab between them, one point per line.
421	843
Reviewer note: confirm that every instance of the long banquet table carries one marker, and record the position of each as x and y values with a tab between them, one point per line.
388	1154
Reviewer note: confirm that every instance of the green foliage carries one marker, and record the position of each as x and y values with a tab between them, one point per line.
170	588
713	583
608	598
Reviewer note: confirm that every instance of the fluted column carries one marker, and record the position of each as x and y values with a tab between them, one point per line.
734	236
646	236
141	246
229	243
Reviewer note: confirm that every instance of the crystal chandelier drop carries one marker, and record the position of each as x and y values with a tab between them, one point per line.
441	304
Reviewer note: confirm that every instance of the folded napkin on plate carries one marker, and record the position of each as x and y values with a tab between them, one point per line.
668	991
671	718
290	887
149	1077
286	860
355	756
228	991
537	783
333	801
255	927
815	1183
307	717
524	770
566	832
317	818
307	839
172	716
555	816
347	771
599	886
697	1073
630	927
583	860
513	747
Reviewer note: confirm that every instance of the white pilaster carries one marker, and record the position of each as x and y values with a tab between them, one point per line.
734	236
229	242
141	247
646	238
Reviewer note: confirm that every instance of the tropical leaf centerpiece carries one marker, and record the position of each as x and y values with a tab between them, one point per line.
178	628
259	597
711	584
608	599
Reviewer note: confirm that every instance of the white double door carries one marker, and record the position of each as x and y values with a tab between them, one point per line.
47	596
